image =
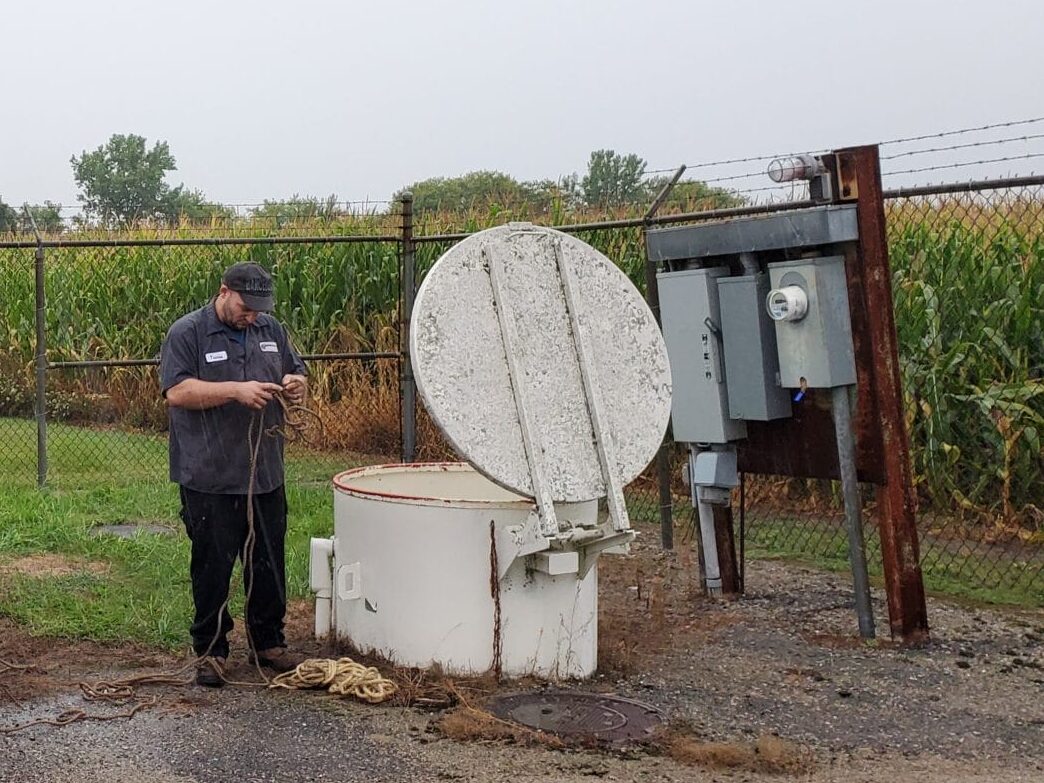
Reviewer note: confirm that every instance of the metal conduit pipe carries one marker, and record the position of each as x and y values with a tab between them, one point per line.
853	508
749	263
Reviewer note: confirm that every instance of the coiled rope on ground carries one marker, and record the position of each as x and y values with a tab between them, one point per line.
341	677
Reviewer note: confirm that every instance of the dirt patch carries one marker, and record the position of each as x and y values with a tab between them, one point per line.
57	665
767	684
299	623
646	605
768	754
48	564
465	723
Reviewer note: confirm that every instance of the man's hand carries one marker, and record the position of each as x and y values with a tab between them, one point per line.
256	394
296	388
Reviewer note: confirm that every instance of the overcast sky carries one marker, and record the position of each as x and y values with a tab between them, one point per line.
268	98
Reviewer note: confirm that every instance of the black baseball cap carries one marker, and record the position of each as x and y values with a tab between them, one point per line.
251	282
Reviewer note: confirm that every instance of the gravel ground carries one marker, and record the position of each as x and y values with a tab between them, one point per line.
788	663
783	660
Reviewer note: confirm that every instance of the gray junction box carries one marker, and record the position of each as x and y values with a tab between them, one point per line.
691	320
818	346
751	360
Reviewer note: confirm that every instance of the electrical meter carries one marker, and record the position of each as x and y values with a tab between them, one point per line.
787	304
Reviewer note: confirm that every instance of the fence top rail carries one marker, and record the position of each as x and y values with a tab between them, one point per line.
659	220
973	186
308	357
172	241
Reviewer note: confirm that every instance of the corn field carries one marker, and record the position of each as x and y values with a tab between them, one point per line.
969	301
968	280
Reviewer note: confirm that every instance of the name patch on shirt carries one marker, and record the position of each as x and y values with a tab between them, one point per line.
216	356
269	347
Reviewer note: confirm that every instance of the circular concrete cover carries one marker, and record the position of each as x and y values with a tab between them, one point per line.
577	715
499	307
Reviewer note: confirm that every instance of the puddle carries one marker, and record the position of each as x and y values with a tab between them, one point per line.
130	529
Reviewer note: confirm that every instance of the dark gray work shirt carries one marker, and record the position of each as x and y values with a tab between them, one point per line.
209	449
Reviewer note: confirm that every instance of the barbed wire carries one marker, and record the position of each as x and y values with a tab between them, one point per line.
942	134
372	206
963	164
959	131
273	202
320	205
1010	139
794	187
730	161
733	177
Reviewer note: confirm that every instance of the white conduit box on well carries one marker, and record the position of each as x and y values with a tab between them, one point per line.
544	368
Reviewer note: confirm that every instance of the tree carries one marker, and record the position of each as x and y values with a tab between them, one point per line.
47	216
182	205
8	218
122	181
694	196
298	208
613	180
477	190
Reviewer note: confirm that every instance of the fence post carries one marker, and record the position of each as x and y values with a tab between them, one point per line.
41	365
407	285
652	298
663	468
860	172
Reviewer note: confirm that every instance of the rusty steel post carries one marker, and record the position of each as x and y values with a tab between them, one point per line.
859	178
727	566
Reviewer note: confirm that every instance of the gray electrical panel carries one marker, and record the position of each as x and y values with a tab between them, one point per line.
692	330
751	360
814	345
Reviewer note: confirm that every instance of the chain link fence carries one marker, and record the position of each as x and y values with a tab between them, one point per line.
109	304
968	280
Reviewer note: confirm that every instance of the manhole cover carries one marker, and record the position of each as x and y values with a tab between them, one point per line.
581	715
128	530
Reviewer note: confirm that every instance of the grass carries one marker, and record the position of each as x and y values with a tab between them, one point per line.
137	589
143	592
988	577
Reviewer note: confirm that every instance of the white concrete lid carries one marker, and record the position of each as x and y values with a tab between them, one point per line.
441	484
463	370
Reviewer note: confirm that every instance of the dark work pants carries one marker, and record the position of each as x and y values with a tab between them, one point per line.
217	527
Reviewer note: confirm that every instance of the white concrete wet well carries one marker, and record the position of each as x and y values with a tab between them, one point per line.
544	368
413	582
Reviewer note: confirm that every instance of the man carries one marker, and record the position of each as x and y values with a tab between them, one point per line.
221	369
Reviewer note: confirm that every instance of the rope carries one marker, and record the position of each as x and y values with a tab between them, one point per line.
341	677
74	715
249	541
296	419
6	666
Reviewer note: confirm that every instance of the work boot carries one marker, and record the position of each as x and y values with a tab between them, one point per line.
210	671
278	658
